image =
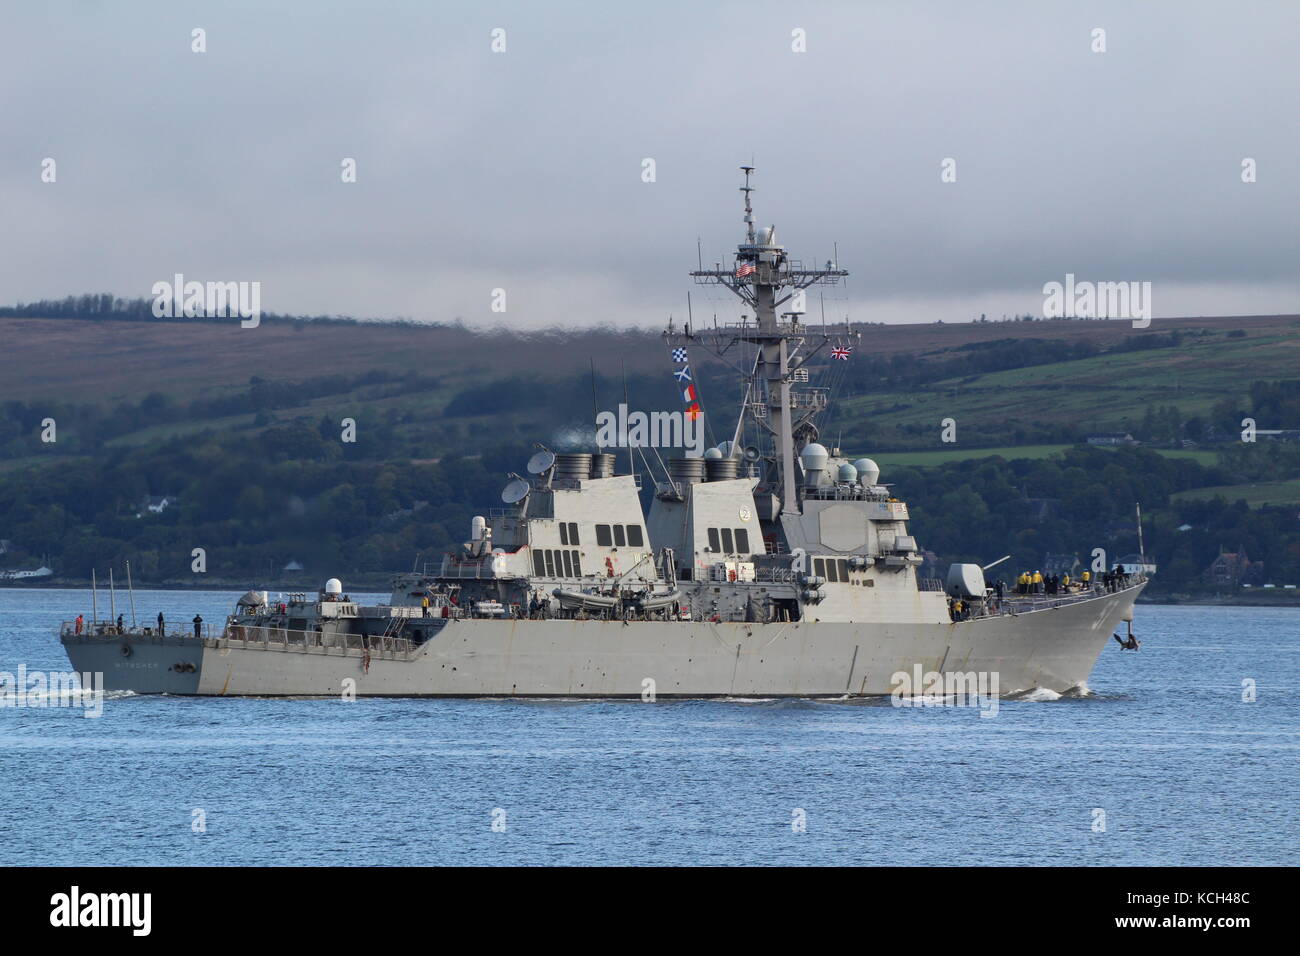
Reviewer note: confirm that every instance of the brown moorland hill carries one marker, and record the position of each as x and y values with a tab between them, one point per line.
111	361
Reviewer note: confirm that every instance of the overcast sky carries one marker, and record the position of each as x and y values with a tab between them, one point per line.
522	170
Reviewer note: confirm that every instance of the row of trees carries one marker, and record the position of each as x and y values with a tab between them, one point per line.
103	306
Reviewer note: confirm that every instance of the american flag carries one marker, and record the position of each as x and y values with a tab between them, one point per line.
679	355
842	353
744	269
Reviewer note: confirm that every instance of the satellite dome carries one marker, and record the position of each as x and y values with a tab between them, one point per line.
712	454
814	456
868	471
727	449
333	586
848	472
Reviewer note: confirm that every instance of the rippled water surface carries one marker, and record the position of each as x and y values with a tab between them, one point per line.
1185	771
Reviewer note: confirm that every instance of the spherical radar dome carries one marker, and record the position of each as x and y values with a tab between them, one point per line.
814	457
868	471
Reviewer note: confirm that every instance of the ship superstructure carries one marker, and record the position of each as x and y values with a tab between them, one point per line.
769	566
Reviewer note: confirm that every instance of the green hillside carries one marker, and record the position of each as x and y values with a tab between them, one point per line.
243	427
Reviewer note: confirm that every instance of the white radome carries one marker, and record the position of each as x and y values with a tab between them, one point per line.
868	471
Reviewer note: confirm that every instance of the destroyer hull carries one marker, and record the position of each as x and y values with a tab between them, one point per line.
1053	648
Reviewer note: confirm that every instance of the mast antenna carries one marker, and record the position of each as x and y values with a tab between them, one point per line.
1142	551
764	278
749	209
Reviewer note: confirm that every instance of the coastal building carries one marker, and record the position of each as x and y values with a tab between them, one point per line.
1233	569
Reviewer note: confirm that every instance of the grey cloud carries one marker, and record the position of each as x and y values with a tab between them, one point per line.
522	170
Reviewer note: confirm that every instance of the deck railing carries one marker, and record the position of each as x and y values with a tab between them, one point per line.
109	631
280	638
1015	603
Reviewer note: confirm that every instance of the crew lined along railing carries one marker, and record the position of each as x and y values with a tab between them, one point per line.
108	630
1015	603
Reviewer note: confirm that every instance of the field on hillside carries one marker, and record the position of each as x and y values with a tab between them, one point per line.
925	459
928	459
1255	495
118	361
108	363
82	361
1108	392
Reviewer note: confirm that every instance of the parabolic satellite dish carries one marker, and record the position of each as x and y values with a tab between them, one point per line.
517	490
541	462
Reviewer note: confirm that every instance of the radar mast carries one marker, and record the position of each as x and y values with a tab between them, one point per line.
765	278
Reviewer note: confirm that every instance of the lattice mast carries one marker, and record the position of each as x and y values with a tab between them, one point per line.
765	278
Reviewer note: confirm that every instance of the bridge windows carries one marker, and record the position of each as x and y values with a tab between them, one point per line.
834	570
615	536
728	541
550	563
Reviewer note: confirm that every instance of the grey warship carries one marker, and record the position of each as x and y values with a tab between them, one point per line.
771	566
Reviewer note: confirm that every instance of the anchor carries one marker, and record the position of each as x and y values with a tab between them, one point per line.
1132	644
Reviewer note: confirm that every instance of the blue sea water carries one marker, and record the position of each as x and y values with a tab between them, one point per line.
1185	770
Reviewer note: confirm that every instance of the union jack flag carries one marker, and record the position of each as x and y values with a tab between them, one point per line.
744	269
679	355
842	353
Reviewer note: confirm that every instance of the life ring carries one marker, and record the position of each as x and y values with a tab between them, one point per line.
126	650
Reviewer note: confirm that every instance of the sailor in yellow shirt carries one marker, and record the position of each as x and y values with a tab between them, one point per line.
1038	582
1065	580
1087	578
